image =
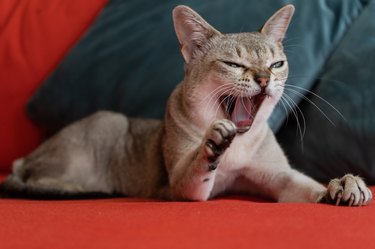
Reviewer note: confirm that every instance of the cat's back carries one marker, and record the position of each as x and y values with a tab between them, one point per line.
101	132
109	124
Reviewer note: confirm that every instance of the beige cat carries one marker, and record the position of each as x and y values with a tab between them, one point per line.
214	140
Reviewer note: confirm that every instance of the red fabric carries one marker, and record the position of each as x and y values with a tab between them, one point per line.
34	36
223	223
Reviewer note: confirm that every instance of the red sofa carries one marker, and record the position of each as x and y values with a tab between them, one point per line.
29	51
233	222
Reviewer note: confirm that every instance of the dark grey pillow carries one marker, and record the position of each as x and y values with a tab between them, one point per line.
129	60
347	82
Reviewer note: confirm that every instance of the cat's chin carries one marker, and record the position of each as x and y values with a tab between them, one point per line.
241	110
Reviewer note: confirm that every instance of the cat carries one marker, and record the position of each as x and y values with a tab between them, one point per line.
214	139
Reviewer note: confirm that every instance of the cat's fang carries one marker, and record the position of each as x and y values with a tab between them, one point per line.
243	127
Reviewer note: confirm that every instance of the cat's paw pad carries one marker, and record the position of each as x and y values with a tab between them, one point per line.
218	138
349	190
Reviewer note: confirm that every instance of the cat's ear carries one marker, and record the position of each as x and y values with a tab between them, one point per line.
192	31
278	23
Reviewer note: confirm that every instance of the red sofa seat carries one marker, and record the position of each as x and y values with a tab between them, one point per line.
232	222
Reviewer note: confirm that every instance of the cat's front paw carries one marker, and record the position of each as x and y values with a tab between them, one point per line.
218	138
349	190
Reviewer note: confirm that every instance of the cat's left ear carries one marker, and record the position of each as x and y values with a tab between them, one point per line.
278	23
192	31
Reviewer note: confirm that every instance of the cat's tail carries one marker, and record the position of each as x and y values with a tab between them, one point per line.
13	183
14	186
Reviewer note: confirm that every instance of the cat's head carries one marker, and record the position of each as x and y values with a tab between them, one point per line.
235	76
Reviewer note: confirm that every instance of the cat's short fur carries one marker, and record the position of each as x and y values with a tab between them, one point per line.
214	139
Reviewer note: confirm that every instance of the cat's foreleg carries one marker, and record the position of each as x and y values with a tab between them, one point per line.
276	179
289	185
349	190
193	176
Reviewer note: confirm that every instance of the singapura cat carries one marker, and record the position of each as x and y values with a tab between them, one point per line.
214	139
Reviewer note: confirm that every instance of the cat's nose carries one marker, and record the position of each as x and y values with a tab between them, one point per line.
262	81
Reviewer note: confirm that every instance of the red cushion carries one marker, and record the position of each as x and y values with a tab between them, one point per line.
35	35
224	223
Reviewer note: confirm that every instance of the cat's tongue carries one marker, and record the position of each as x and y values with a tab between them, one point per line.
242	114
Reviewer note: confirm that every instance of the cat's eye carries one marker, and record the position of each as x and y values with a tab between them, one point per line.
277	64
232	64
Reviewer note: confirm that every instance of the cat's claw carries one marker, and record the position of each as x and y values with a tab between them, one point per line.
349	190
218	138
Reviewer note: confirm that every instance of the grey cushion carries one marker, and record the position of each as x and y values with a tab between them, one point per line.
129	60
336	145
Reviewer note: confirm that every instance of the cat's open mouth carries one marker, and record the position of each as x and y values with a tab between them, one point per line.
241	110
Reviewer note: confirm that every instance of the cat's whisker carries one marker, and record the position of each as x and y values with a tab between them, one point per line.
297	112
291	76
235	103
245	107
210	107
330	80
315	105
216	91
253	107
288	40
294	46
284	107
230	93
316	95
238	97
239	101
213	96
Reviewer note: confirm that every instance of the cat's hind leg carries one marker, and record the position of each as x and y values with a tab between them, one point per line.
24	183
45	188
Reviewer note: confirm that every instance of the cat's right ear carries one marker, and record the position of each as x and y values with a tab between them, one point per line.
192	31
278	23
